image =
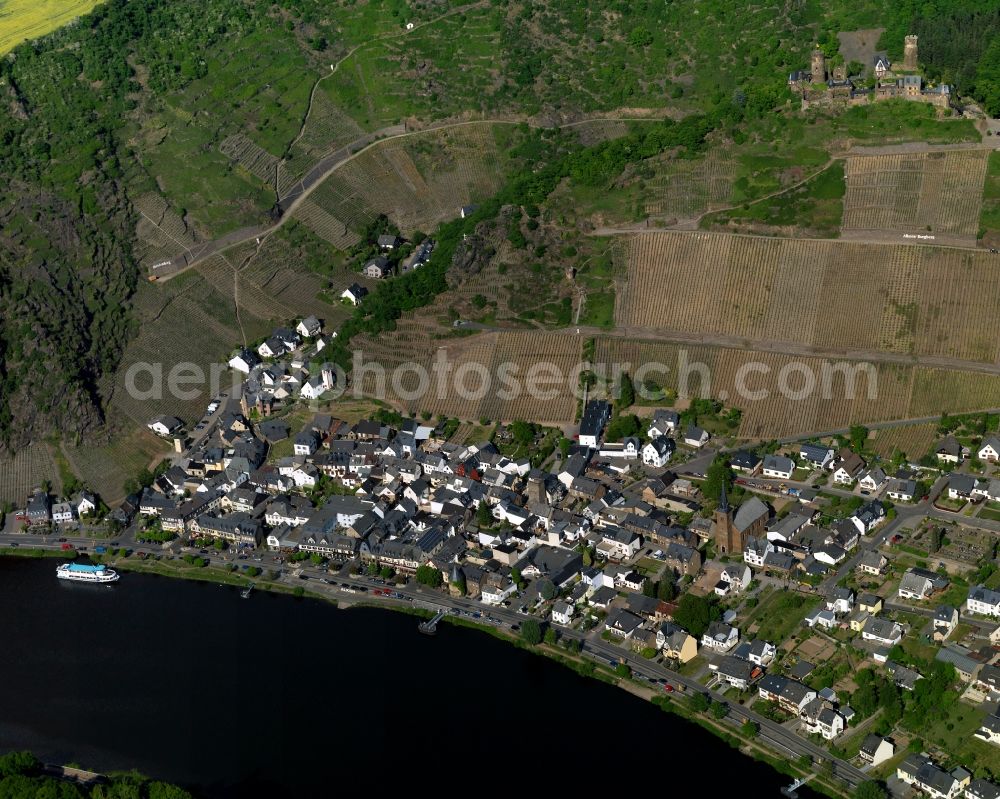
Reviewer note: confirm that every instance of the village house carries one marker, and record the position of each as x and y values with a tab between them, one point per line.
735	671
882	631
377	268
354	293
873	562
676	642
919	584
664	423
901	490
875	749
989	730
945	622
622	623
847	467
819	718
949	450
983	601
309	327
657	452
695	436
595	417
720	637
562	613
745	462
989	450
814	456
778	466
791	695
920	772
873	480
165	425
961	486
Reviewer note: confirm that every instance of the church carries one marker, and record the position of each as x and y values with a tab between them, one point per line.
731	530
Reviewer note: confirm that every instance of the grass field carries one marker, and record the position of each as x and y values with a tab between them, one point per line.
919	300
21	20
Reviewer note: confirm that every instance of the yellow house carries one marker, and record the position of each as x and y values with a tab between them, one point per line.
870	603
858	618
676	643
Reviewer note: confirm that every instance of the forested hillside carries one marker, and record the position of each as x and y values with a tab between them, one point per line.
188	105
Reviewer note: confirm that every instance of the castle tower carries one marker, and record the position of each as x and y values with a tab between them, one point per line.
722	527
819	66
910	54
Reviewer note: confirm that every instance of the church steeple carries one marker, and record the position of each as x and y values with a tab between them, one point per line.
724	500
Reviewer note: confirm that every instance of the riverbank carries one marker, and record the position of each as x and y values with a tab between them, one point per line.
585	666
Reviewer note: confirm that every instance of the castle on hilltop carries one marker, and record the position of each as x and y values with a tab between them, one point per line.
820	85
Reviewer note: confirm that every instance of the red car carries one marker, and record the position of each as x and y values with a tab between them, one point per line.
67	546
668	688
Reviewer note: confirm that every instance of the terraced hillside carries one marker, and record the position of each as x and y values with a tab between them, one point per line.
898	298
936	193
417	181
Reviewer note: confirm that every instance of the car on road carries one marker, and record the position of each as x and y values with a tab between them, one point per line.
66	546
668	688
62	540
14	544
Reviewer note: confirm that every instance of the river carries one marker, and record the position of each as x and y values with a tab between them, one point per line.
188	682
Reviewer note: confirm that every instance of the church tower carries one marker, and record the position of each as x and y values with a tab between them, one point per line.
910	54
722	527
818	66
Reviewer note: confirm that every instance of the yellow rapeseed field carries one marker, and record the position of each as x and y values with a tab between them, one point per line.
29	19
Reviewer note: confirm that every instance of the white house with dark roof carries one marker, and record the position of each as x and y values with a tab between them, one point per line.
983	601
815	456
657	452
778	466
720	637
309	327
875	749
663	424
354	293
989	450
695	436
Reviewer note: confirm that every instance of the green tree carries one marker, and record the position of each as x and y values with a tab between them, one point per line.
694	613
717	476
18	763
666	589
870	789
700	702
429	576
648	588
483	516
547	590
623	670
516	578
749	729
522	432
859	436
720	710
626	393
531	632
551	636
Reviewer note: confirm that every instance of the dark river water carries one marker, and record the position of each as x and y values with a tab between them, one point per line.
228	697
